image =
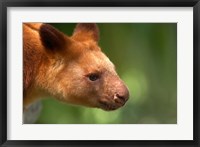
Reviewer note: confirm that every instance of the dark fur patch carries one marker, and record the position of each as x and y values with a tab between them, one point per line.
51	38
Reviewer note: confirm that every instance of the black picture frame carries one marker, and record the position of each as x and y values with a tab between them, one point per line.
4	4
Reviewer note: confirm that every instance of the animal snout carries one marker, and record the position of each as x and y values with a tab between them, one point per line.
122	95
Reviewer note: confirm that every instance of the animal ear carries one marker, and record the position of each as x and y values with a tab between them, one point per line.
86	31
52	38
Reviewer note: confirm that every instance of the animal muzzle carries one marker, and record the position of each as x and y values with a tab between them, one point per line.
122	95
117	100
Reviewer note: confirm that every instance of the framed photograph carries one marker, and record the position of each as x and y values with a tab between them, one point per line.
106	73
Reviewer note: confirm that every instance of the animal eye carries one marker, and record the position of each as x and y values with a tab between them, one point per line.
93	77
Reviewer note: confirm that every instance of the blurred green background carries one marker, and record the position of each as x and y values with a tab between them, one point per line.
145	56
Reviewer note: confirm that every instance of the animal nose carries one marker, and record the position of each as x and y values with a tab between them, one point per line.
122	95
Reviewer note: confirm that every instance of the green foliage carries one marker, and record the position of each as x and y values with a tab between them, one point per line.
145	55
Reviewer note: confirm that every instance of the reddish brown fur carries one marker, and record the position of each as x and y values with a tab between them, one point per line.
59	66
31	54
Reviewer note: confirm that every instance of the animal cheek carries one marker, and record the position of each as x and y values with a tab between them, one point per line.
82	96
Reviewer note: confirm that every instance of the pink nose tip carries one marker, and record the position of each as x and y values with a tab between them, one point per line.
122	95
